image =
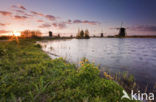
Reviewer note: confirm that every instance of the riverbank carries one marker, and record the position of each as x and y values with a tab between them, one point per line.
29	75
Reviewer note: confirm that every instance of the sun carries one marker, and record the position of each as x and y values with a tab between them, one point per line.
14	36
16	33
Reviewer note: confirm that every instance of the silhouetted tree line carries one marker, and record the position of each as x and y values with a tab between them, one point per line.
31	33
83	34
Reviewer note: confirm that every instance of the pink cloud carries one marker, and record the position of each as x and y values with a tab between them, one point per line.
69	21
22	7
151	28
19	6
61	25
20	11
20	17
28	15
39	20
4	31
37	13
90	22
77	21
38	16
44	26
5	13
86	22
1	24
50	17
54	24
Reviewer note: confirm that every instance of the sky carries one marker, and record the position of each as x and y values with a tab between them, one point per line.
67	16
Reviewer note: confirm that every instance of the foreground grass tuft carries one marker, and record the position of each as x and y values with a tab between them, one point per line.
27	74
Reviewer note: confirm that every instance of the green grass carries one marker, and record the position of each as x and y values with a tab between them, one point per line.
27	74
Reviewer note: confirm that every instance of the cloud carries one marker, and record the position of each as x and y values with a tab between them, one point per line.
54	24
1	24
50	17
144	28
39	20
20	17
4	31
77	21
37	13
19	6
22	7
60	25
91	22
69	21
5	13
20	11
28	15
44	25
86	22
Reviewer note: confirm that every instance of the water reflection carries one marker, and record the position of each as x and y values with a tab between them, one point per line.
137	56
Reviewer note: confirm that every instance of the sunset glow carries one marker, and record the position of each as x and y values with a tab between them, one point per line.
16	33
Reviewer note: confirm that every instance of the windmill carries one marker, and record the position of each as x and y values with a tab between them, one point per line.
101	35
122	31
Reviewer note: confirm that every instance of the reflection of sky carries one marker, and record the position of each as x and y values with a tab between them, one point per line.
135	56
110	13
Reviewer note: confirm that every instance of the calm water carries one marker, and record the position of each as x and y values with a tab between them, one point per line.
136	56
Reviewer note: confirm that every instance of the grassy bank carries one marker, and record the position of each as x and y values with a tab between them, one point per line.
27	74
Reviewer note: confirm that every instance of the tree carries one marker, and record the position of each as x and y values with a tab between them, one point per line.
78	34
25	33
86	34
38	33
81	33
29	33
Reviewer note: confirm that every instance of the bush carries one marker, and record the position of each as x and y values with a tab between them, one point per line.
38	46
2	52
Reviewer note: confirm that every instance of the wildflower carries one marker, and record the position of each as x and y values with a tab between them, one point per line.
86	60
108	76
